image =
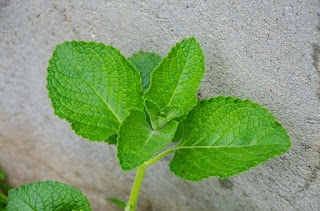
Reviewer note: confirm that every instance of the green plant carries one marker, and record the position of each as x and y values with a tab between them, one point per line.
4	188
102	95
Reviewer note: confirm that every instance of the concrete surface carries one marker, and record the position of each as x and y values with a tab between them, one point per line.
267	51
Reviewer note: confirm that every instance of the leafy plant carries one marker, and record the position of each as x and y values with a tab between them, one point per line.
144	102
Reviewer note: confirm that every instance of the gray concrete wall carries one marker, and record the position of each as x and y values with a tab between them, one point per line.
267	51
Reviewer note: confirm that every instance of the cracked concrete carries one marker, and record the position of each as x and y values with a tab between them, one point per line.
266	51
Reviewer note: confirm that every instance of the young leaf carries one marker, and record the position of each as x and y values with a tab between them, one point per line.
118	202
154	112
160	118
93	87
225	136
145	62
179	132
170	112
112	139
137	142
177	78
47	196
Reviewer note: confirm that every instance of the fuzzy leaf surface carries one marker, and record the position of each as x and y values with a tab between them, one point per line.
93	87
175	81
137	142
145	63
47	196
225	136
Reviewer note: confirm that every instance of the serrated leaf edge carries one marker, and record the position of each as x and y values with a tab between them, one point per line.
169	53
120	161
25	187
69	119
258	163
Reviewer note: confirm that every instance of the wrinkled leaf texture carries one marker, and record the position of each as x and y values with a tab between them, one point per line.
47	196
225	136
93	87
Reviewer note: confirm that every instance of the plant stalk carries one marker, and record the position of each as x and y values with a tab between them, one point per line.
131	206
161	155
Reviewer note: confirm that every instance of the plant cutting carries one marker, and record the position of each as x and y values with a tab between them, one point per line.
143	103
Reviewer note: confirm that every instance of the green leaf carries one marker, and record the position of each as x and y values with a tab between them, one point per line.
145	62
137	142
179	132
154	112
93	87
160	118
118	202
47	196
112	139
225	136
177	78
170	112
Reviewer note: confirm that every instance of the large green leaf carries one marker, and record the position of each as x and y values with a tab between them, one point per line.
145	62
177	78
225	136
93	87
47	196
137	142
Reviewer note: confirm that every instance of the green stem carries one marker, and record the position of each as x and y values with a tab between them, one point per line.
161	155
131	206
3	196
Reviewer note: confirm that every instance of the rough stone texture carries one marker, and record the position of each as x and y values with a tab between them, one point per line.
266	51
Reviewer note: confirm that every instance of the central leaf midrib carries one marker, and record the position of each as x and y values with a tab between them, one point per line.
174	92
98	94
147	140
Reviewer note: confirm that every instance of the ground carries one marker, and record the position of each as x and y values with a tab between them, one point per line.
265	51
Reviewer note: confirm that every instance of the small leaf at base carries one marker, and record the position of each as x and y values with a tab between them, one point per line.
118	202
